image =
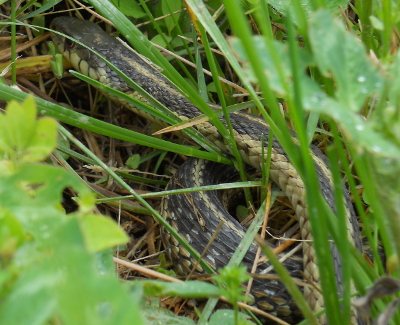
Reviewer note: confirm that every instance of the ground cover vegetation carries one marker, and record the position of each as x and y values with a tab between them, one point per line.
75	169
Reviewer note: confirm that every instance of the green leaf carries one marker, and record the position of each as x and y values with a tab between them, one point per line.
168	8
67	282
340	54
160	40
376	23
34	290
101	232
306	5
387	118
86	202
188	289
359	132
43	141
227	317
346	61
130	8
154	315
242	212
16	127
38	21
97	296
164	265
279	73
133	161
34	194
11	233
24	138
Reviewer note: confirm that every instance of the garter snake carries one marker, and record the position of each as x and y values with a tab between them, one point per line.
197	215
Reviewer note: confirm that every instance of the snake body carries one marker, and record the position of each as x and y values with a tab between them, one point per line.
197	215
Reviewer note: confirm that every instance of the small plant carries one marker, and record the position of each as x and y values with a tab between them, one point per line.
229	281
54	266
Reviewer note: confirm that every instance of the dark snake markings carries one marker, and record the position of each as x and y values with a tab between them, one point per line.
198	223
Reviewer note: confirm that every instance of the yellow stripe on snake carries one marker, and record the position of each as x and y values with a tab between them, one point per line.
196	216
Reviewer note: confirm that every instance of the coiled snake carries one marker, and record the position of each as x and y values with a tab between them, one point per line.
197	216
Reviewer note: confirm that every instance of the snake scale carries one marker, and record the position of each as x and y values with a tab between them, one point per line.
196	216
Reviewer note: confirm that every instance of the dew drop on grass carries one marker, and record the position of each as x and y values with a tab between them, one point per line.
104	309
376	149
359	127
83	119
101	264
316	98
44	231
43	227
335	115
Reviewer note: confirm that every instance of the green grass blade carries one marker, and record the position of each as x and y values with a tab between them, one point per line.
87	123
